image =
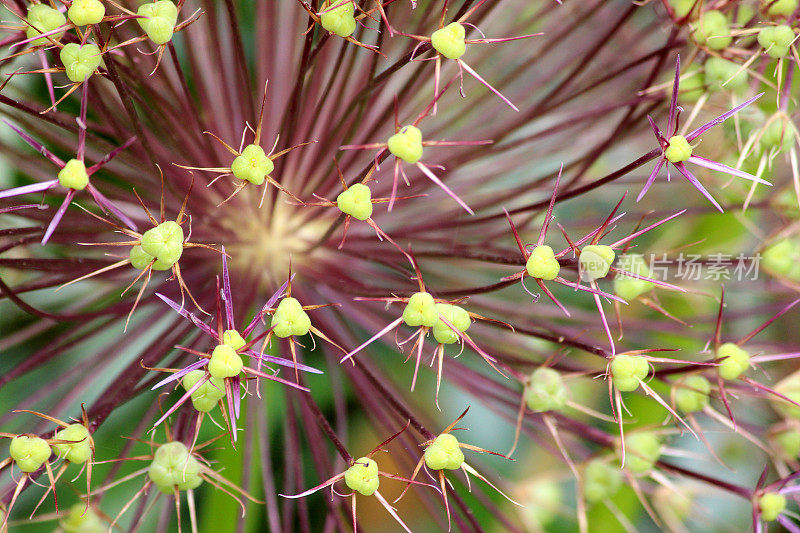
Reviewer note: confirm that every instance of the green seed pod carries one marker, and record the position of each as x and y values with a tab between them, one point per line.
775	40
693	86
736	362
712	30
678	150
627	371
779	8
444	453
642	450
290	319
627	287
542	263
420	311
546	391
80	61
232	338
789	387
783	258
600	481
77	452
164	242
771	504
406	144
79	519
457	316
719	71
42	19
595	260
225	362
682	7
356	201
339	20
29	452
73	175
744	14
691	394
84	12
362	477
173	466
449	41
779	135
207	395
788	441
253	165
160	22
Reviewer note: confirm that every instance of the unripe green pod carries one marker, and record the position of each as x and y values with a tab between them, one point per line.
29	452
77	452
788	441
339	20
595	261
712	30
775	40
79	519
290	319
601	481
406	144
457	316
546	391
73	175
682	7
362	477
159	24
225	362
207	395
627	371
542	263
693	86
789	387
780	8
85	12
356	201
173	466
771	505
678	150
164	242
736	362
233	338
449	41
642	450
627	287
252	165
719	71
777	134
444	453
420	311
80	61
783	258
691	394
42	19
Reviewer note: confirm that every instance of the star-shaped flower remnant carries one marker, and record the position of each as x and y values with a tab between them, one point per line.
222	373
73	175
362	477
676	150
450	42
406	145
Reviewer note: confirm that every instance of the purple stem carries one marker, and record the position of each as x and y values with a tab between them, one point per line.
58	216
